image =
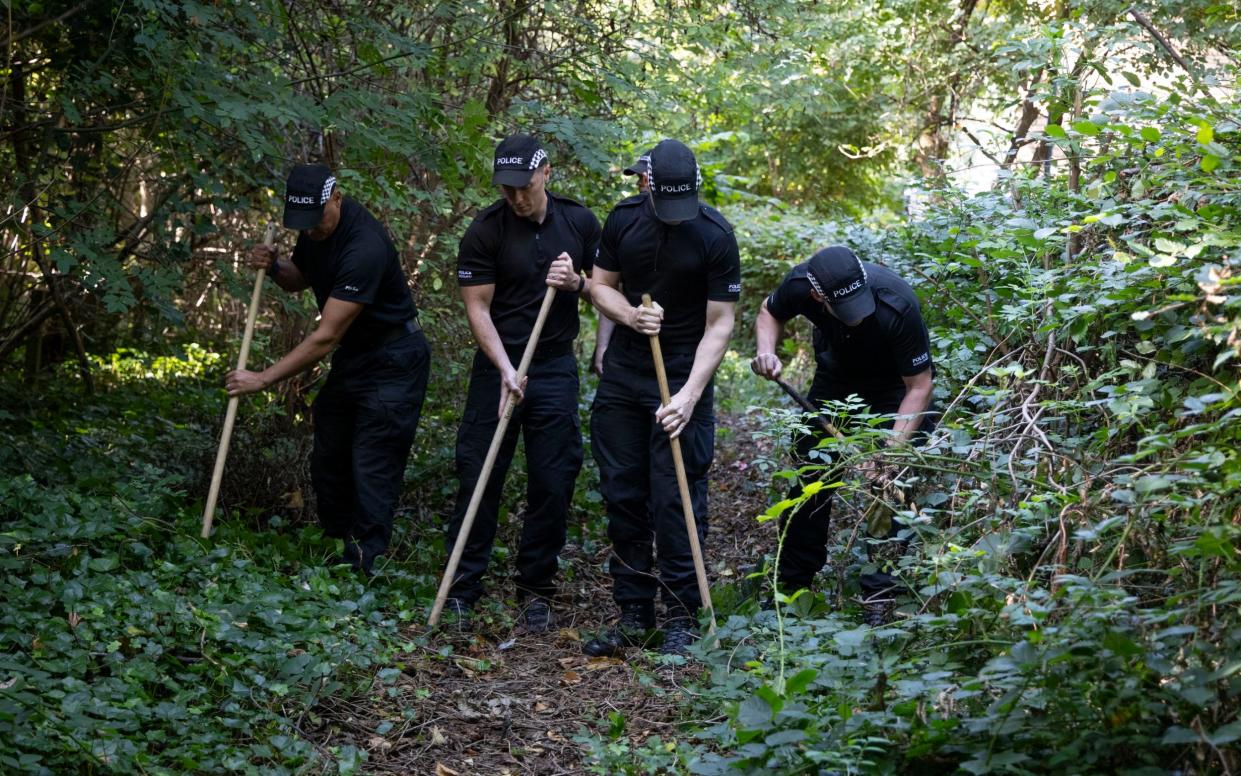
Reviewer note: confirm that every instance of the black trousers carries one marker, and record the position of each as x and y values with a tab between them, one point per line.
365	418
638	480
549	422
806	531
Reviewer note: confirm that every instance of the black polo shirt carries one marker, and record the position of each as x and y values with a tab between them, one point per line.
872	358
681	267
358	263
514	254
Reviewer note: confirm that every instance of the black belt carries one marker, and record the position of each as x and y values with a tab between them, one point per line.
544	351
400	330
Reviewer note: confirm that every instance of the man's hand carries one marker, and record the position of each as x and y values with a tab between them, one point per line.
509	384
596	363
646	320
766	365
674	415
260	257
239	382
561	275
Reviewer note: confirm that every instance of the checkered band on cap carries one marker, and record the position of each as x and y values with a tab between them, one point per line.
815	284
328	185
650	172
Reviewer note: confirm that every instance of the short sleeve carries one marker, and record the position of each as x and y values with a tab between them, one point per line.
592	235
476	256
360	272
607	256
911	346
301	252
790	296
724	269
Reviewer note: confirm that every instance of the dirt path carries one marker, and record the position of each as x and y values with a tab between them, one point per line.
501	701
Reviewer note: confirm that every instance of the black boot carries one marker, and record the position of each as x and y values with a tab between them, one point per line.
877	612
631	631
678	635
537	618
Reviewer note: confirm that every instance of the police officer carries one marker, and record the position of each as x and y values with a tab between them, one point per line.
685	256
603	334
366	413
869	340
527	240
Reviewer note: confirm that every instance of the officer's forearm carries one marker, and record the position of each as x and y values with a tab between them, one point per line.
612	303
307	353
488	339
710	352
916	401
603	335
767	331
286	275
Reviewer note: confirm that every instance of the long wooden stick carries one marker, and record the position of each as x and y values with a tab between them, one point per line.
489	462
230	417
691	525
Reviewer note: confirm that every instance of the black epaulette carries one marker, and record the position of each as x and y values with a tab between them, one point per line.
636	199
713	215
564	199
490	211
895	302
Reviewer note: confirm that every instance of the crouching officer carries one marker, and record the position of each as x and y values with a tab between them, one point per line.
367	412
513	251
869	340
685	256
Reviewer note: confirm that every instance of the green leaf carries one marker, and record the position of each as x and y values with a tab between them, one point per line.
1168	246
781	737
800	681
1055	130
1086	127
1210	162
754	713
851	638
1179	735
1151	134
103	564
1205	134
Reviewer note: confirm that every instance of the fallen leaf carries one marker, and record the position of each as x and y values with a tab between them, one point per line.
472	666
554	736
566	662
541	707
379	742
568	634
444	770
437	736
293	499
507	644
599	663
571	677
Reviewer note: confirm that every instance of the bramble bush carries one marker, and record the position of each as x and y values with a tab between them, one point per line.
1076	577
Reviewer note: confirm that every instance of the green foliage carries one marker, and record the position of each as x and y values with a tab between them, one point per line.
1076	578
130	646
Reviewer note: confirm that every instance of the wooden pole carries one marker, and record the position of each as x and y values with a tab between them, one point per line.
230	416
489	462
691	525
